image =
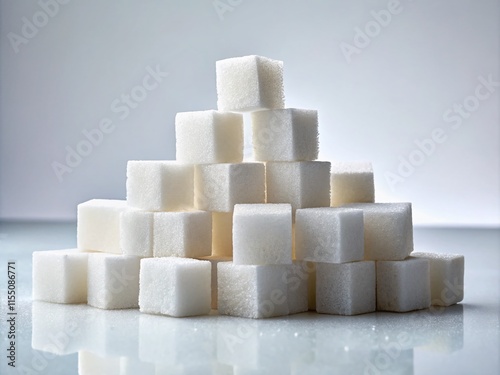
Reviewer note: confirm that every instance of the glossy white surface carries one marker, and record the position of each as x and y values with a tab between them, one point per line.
462	339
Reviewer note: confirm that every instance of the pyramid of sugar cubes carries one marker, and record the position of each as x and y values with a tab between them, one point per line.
278	235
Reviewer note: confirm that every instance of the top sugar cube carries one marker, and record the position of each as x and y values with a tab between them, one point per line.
249	83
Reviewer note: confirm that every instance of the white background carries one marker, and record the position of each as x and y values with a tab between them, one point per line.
373	105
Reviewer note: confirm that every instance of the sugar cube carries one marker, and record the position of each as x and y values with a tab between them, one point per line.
182	234
302	184
388	230
60	276
99	225
214	260
251	291
209	137
113	281
249	83
222	234
345	289
136	233
262	234
160	185
403	285
175	286
311	286
446	277
351	182
297	280
329	235
285	134
218	187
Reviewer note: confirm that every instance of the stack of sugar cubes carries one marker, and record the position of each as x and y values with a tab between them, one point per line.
280	235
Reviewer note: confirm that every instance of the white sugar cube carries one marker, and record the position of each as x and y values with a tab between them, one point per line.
403	285
160	185
311	286
60	276
136	228
209	137
262	234
388	230
182	234
113	281
351	182
285	134
302	184
249	83
214	260
252	291
345	289
222	234
297	280
329	235
175	286
446	277
218	187
99	225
